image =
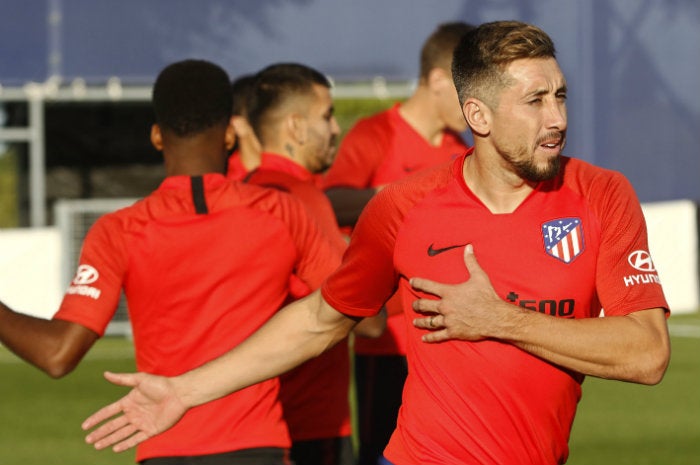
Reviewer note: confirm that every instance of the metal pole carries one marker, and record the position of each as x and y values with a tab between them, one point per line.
37	175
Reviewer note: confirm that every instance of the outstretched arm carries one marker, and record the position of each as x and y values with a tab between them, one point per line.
53	346
633	348
300	331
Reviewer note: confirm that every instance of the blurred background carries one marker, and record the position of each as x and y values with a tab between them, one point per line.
632	67
75	80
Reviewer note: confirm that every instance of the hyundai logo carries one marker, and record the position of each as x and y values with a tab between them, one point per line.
85	275
641	260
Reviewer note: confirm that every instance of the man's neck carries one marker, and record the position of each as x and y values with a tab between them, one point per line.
501	190
420	113
288	151
195	155
285	149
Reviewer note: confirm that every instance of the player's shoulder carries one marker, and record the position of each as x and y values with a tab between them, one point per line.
124	215
270	195
290	204
377	123
412	188
274	179
581	169
591	179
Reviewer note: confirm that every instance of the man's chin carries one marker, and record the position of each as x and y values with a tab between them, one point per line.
541	172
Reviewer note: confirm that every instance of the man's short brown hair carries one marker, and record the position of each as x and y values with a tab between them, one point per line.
483	54
438	48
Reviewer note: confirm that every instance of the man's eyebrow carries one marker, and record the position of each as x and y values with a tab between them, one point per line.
543	91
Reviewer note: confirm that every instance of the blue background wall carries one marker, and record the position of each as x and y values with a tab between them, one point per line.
633	66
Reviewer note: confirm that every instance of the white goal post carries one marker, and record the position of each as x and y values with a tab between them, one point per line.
73	218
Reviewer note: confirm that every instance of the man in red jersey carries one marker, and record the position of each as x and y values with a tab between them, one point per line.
291	109
196	280
421	132
246	151
557	239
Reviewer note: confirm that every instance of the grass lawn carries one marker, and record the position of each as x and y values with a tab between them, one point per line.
618	423
627	424
40	417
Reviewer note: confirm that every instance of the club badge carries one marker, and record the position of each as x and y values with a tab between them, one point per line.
563	238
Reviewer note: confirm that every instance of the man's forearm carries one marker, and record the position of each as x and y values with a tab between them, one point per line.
299	332
632	348
53	346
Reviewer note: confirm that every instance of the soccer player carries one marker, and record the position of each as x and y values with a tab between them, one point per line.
557	240
421	132
291	109
203	261
246	153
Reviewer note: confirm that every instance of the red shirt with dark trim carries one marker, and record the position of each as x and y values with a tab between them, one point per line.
571	248
378	150
237	172
196	286
314	395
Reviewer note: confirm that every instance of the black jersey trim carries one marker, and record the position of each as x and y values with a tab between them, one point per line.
198	197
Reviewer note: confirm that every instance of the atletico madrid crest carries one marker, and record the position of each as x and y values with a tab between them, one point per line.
563	238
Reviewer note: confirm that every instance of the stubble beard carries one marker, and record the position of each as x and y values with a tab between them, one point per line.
528	169
531	171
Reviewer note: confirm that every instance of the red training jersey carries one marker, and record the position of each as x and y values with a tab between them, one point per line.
314	395
198	283
378	150
568	251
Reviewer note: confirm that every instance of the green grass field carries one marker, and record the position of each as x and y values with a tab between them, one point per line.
618	423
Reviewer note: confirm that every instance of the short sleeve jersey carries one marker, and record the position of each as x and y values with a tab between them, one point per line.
197	283
567	251
378	150
314	395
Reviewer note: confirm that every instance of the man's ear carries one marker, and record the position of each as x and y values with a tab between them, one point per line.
230	135
240	125
478	116
297	125
438	78
157	137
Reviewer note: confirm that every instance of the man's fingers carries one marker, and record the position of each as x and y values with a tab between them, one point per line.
426	305
122	379
426	285
436	336
430	322
119	433
108	428
101	415
132	441
470	259
117	436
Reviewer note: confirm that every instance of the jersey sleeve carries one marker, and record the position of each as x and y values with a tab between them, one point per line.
317	253
93	295
626	279
358	157
366	277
